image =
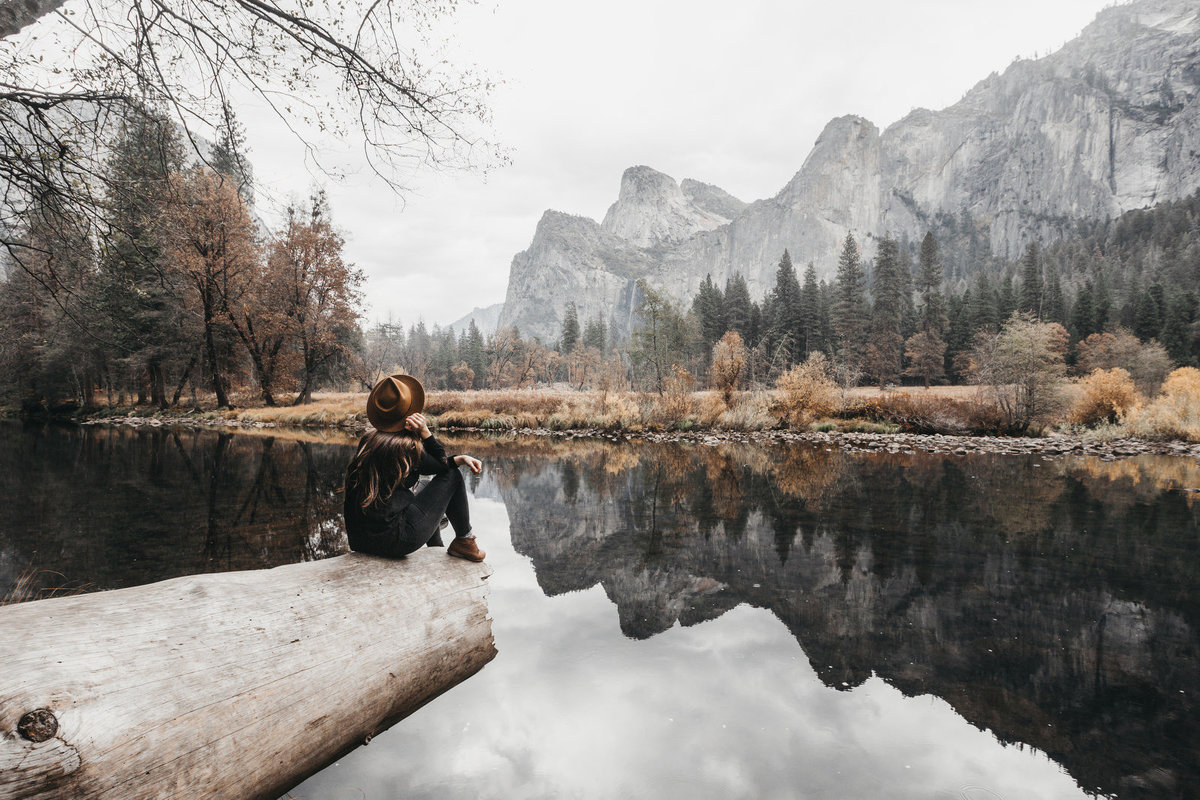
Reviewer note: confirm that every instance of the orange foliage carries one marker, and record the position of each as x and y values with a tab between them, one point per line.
806	392
1105	396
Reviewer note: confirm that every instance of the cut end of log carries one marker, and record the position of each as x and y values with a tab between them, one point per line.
38	725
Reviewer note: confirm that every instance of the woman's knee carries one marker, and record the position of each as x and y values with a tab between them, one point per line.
453	476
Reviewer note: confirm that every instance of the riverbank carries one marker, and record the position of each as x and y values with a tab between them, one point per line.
847	441
952	420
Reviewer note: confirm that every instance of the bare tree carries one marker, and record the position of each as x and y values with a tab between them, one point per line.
351	69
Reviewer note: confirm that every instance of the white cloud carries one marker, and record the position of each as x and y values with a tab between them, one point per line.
731	94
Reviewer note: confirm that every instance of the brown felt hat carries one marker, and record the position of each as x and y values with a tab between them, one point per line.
393	399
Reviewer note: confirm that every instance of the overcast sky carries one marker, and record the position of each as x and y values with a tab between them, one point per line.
730	94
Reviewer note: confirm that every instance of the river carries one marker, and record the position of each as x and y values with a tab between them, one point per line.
730	621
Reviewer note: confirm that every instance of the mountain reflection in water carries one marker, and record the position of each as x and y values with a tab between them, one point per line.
1050	602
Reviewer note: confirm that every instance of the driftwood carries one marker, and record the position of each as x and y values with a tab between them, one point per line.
234	685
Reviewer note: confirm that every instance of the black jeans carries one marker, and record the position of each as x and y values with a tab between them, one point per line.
445	494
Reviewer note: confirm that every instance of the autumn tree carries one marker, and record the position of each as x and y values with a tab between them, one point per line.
926	354
659	339
1147	362
209	242
318	289
728	366
349	68
1022	367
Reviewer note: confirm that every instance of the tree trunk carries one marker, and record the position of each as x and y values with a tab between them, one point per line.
182	382
238	684
210	349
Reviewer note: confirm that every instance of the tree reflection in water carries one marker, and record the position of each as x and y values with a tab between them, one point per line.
104	508
1051	602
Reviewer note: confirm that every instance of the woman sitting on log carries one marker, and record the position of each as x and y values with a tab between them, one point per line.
384	517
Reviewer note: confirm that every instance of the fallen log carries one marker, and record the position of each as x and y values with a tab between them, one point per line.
239	684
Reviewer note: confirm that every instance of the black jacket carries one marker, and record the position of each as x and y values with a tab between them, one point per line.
376	529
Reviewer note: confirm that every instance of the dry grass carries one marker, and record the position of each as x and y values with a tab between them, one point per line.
26	588
1175	413
806	392
965	392
920	412
960	410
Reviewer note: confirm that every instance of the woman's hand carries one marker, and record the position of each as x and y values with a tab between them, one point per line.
474	463
417	424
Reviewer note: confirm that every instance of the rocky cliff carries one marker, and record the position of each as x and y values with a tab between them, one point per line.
1109	123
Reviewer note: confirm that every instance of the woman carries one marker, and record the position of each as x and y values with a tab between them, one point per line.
384	516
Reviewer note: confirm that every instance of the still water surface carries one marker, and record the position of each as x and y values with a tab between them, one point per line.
734	621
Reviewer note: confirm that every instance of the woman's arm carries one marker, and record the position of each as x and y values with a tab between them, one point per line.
474	463
433	455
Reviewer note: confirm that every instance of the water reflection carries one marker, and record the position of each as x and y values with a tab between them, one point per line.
1053	603
1049	603
104	508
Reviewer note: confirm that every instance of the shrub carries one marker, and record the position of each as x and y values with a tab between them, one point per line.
921	413
674	405
806	392
728	364
1022	367
1148	363
1174	414
1106	395
750	413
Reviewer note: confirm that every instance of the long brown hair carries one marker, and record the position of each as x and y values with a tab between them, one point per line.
381	463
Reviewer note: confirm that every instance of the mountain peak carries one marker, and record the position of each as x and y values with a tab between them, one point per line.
652	209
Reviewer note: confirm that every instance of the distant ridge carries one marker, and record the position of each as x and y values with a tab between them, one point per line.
1109	123
486	319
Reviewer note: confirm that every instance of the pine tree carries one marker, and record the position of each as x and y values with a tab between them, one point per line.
1103	301
810	312
1083	313
709	307
595	334
785	327
984	305
850	309
230	156
929	283
739	310
886	347
1006	299
1029	300
136	297
1054	305
1147	323
570	330
474	352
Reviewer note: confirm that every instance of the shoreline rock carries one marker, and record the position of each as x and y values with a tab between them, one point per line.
853	442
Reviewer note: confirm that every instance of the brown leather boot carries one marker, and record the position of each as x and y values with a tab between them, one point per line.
465	548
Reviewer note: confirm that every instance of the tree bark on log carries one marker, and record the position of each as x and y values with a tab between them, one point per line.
238	684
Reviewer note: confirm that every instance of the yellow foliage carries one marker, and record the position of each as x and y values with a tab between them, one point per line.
806	392
1175	413
1106	395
